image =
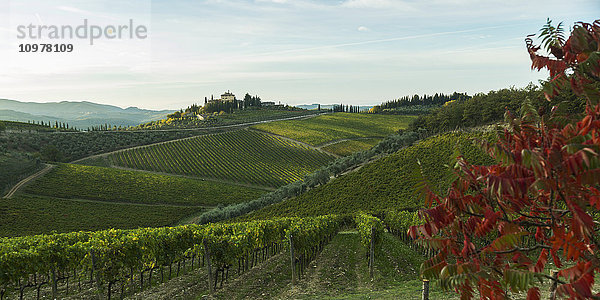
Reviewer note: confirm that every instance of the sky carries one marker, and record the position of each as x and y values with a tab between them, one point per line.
297	52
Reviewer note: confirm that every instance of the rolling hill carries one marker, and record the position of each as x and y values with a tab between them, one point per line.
114	185
388	183
239	156
332	127
81	114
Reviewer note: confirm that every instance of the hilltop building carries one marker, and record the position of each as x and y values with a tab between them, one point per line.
225	97
228	96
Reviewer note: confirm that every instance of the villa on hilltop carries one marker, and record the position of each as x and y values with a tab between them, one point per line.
225	97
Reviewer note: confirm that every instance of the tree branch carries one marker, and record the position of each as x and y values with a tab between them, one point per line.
537	246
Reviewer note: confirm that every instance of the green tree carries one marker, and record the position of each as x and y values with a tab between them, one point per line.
2	126
51	153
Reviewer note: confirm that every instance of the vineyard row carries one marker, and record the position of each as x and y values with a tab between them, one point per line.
241	156
108	257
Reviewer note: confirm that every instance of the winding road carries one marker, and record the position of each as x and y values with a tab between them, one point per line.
23	182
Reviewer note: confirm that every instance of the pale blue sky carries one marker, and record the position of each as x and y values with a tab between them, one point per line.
297	52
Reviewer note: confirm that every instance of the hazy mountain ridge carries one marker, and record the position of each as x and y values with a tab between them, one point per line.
77	113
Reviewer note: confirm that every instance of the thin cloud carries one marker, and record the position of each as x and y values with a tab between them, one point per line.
409	37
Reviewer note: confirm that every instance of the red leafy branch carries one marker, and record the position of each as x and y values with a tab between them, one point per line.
501	226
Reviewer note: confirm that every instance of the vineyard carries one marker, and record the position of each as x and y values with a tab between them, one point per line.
114	185
331	127
239	156
387	183
125	261
218	259
348	147
27	215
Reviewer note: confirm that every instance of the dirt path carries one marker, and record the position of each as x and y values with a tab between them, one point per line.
338	270
23	182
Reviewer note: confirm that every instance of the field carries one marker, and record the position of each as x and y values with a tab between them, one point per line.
28	215
332	127
240	156
386	183
114	185
348	147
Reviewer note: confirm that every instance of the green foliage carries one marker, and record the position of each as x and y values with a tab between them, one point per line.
113	254
489	108
399	221
51	153
113	185
241	156
388	183
309	232
331	127
369	228
26	214
2	126
417	103
15	167
348	147
552	36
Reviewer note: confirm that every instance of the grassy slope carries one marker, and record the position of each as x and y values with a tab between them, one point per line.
348	147
386	183
28	215
242	156
327	128
105	184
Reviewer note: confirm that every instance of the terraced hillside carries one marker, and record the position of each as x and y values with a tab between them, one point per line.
332	127
239	156
386	183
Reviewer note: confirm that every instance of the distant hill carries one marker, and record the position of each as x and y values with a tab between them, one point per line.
77	113
329	106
